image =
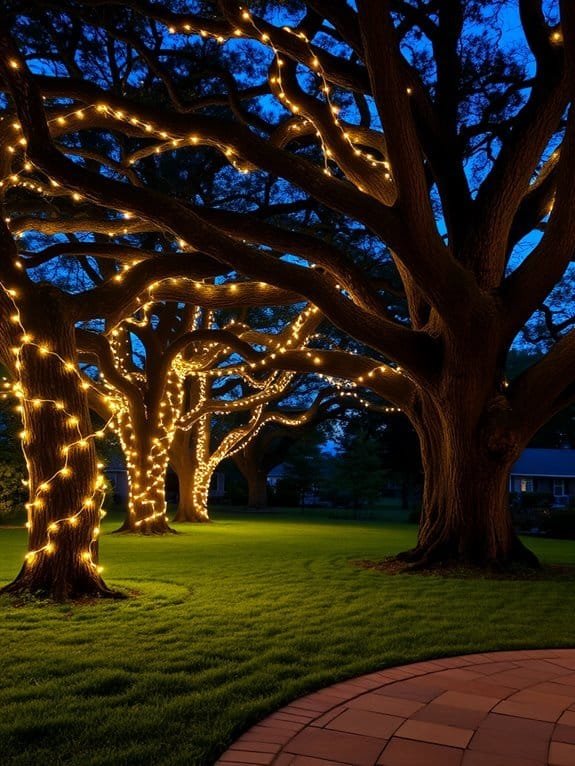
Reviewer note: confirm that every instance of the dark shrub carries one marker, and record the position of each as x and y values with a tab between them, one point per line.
560	524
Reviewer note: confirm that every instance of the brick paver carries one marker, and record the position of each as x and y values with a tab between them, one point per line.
500	709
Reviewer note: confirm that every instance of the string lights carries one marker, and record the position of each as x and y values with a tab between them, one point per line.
278	87
314	64
77	118
43	487
147	458
147	428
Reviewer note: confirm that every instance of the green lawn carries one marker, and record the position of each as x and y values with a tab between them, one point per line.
233	620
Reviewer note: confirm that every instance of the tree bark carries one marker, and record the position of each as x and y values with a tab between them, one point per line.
189	457
248	461
146	467
65	489
465	512
193	495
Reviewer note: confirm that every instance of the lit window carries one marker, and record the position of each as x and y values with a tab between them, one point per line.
526	485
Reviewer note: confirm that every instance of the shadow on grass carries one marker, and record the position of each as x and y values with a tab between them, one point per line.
547	572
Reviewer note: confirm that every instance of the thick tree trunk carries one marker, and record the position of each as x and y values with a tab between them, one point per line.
193	495
190	459
256	478
146	513
466	517
65	487
465	514
145	427
248	460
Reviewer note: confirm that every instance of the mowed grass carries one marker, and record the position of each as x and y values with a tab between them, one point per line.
233	620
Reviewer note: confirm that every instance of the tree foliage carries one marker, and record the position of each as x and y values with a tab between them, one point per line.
357	472
405	167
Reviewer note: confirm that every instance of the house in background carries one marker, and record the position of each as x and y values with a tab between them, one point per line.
117	476
217	486
278	473
546	472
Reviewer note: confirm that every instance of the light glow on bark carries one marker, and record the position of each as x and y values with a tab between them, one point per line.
39	495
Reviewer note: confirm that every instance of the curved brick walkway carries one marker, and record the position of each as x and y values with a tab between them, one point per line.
501	709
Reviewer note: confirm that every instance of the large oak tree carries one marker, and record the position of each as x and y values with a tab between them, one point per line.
155	386
413	123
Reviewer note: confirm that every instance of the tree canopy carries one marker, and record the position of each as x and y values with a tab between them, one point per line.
404	167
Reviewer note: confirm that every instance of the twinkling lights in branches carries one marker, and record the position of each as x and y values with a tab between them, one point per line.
277	82
148	413
78	118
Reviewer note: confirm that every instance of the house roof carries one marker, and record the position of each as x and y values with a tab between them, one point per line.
559	463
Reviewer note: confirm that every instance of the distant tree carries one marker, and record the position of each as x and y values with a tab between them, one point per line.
358	475
201	441
304	468
197	451
420	123
273	444
255	461
401	456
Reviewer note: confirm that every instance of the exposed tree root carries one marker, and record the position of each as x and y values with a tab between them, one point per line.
148	530
459	570
24	588
447	554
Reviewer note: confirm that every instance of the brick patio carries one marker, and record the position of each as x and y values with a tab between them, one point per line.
500	709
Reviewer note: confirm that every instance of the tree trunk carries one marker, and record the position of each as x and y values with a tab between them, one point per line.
193	495
257	488
65	487
249	462
465	515
190	459
146	466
